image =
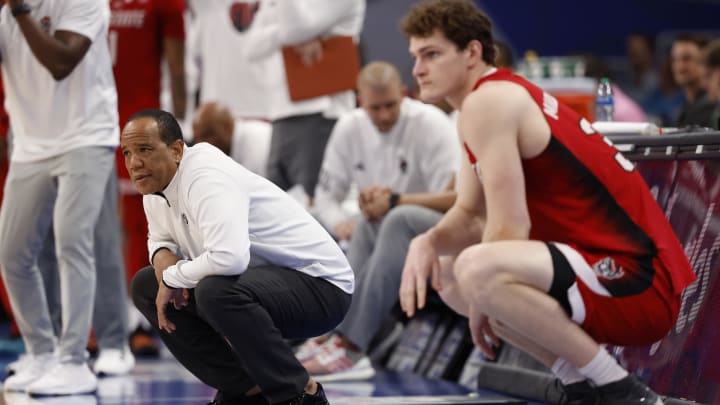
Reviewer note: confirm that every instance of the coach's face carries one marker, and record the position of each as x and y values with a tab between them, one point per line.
150	162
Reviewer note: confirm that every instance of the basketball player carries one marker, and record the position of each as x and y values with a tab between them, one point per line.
560	245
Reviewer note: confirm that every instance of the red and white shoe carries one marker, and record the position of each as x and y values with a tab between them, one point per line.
335	363
310	348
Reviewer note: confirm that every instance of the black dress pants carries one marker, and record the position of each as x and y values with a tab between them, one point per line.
232	335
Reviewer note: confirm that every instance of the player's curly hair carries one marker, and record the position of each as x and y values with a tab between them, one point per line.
459	20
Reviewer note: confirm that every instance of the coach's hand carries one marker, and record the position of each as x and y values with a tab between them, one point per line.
421	263
178	297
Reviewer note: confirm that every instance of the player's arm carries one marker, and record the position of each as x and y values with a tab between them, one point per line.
463	223
59	53
173	32
491	133
175	58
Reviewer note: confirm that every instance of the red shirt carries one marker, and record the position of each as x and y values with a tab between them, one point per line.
137	30
582	192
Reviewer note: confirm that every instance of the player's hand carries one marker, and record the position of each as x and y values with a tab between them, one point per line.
481	331
421	263
178	297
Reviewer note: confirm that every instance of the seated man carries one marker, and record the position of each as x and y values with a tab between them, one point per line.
246	141
390	145
561	246
343	354
237	267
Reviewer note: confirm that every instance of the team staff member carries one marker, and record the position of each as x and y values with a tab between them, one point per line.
561	245
232	253
62	100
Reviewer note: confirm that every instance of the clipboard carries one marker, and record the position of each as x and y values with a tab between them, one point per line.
337	70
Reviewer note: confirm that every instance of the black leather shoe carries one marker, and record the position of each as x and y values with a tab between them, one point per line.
629	390
317	398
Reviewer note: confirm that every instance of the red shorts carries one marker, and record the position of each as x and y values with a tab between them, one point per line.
633	320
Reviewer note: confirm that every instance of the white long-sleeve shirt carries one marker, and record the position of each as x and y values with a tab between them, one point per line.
220	218
281	23
418	155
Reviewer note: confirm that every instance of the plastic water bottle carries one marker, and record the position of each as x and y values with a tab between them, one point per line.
604	101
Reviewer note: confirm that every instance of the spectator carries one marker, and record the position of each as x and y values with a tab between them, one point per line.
643	80
687	69
706	112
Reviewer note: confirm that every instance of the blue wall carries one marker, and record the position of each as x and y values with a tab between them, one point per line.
550	27
559	27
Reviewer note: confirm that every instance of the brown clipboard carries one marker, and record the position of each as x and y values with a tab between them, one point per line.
337	70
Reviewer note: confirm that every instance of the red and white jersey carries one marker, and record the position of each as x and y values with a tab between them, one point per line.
137	31
583	192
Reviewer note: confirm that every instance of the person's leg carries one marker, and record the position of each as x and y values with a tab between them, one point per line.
24	221
47	265
539	294
361	246
276	304
82	175
376	287
111	300
110	317
509	281
280	146
310	137
195	344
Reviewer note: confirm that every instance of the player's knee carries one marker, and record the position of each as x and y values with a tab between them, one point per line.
479	275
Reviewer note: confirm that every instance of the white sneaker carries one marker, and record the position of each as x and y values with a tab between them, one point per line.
16	365
28	370
114	362
65	379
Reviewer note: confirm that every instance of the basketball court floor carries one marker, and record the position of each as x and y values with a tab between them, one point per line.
164	381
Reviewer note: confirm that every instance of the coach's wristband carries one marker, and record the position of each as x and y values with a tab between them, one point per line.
20	10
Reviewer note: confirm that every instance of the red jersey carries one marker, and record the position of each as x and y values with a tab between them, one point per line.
583	192
137	30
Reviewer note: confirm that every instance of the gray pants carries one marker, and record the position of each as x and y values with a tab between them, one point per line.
377	255
297	147
66	191
110	317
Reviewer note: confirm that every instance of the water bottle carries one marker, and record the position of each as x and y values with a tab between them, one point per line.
604	101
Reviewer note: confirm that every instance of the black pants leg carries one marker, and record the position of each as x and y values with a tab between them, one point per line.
255	311
197	346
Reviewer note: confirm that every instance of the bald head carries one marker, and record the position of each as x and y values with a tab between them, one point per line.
379	76
380	92
214	123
